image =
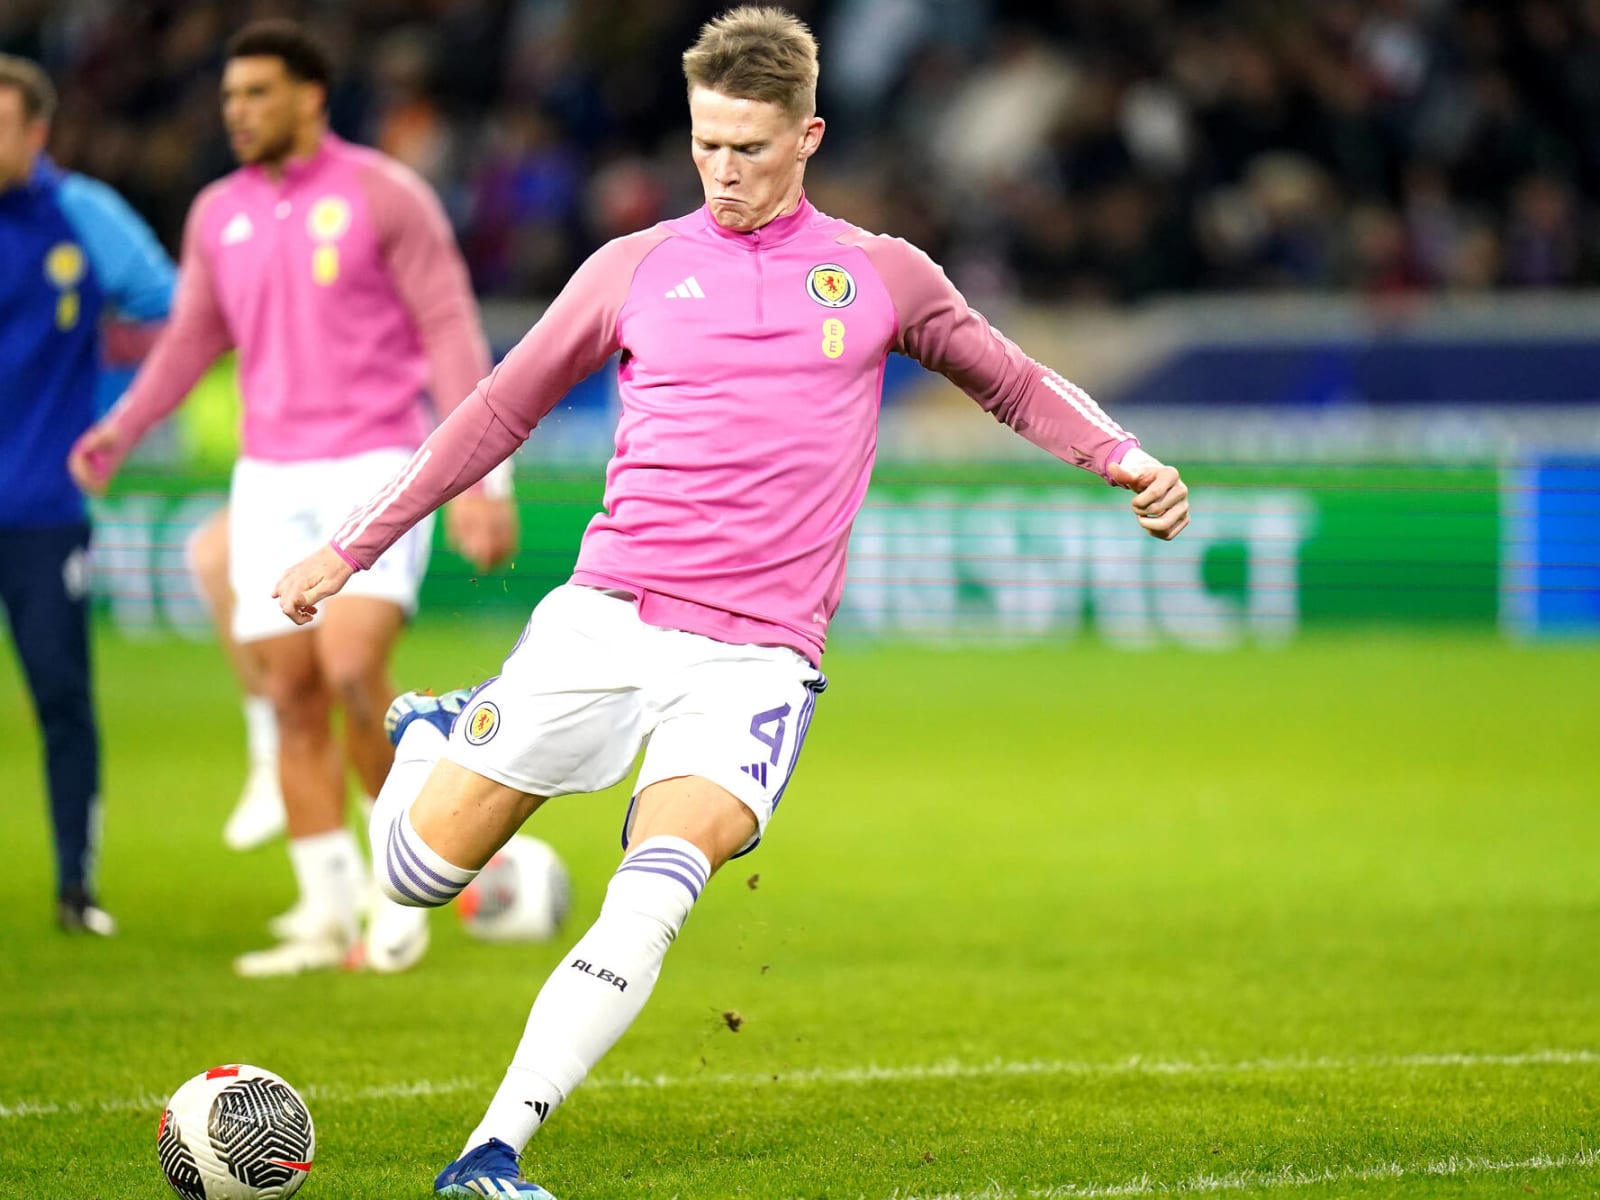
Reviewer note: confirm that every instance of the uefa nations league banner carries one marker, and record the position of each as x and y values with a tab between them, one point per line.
1011	552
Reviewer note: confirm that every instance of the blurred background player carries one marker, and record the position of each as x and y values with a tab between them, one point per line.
333	271
257	816
71	253
753	335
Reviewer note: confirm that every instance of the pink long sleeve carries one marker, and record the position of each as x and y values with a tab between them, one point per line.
194	336
943	333
420	253
573	338
749	381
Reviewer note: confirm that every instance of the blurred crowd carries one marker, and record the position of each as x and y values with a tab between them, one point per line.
1101	150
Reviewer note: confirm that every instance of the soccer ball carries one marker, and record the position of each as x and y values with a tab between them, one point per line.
236	1133
521	895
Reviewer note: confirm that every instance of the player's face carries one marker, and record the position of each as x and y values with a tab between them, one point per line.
21	139
751	155
266	110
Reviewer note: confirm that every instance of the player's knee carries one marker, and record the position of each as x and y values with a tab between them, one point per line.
359	685
298	696
206	553
362	702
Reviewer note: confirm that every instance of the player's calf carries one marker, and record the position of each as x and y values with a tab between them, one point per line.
598	990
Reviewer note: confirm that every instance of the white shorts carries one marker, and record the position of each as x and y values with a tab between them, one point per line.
279	512
588	684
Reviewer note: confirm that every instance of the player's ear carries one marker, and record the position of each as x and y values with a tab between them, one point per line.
811	137
313	100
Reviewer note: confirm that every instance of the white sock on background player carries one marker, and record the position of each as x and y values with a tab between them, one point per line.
260	731
258	815
328	869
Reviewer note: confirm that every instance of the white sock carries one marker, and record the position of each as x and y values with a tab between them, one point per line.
327	866
413	873
421	746
408	870
599	988
260	729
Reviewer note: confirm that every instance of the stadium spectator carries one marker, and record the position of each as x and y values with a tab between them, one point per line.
753	334
331	268
74	254
1191	95
1172	105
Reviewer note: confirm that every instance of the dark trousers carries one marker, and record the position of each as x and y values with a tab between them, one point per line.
44	588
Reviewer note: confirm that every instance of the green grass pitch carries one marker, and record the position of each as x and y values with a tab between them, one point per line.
1321	922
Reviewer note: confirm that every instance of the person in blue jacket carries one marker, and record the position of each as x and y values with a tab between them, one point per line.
71	252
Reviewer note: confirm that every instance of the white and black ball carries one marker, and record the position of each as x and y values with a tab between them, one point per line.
236	1132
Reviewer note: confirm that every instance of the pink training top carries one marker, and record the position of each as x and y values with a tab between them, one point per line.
751	377
341	285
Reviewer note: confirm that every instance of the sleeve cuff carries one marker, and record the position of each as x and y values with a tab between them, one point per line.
340	551
1118	453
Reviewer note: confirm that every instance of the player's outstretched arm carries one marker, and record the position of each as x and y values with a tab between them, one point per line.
431	277
1161	498
310	581
191	341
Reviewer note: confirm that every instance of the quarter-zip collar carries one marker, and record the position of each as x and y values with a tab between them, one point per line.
297	170
774	233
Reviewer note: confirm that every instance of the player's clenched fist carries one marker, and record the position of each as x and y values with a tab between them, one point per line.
1161	498
310	581
95	457
482	529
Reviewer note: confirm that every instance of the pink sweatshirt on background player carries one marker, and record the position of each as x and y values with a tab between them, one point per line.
341	285
751	377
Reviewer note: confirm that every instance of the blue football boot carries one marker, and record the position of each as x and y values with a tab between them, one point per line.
488	1170
439	711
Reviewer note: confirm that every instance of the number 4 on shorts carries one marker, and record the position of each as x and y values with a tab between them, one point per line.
768	729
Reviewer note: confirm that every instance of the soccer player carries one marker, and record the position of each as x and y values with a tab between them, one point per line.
71	251
332	269
753	334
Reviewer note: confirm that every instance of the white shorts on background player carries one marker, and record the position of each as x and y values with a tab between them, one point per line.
589	684
280	512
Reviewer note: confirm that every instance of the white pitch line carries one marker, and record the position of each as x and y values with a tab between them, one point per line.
999	1069
1285	1177
871	1073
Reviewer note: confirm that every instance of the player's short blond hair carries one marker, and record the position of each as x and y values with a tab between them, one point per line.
757	54
38	93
